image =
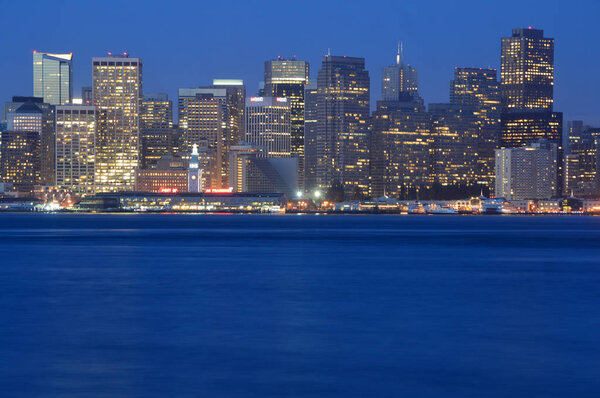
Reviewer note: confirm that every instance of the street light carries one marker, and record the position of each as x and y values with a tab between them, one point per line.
317	194
299	194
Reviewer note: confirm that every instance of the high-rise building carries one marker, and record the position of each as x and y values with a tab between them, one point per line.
529	172
399	78
455	132
401	146
268	124
32	114
52	77
20	159
527	70
480	89
310	139
75	147
527	87
583	176
117	92
214	114
156	125
287	78
343	124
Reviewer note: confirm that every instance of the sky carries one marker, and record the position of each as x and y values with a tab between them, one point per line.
188	43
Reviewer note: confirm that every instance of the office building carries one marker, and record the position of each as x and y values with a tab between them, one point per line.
310	139
399	78
117	91
52	77
401	147
169	175
582	168
455	132
156	124
527	70
75	148
529	172
479	88
254	171
214	114
287	78
20	163
343	124
32	114
268	124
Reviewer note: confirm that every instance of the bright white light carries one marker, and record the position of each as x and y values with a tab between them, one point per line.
299	194
317	194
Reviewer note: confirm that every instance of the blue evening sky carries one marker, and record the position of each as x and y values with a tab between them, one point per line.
188	43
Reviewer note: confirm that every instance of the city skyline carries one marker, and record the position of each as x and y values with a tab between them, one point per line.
432	51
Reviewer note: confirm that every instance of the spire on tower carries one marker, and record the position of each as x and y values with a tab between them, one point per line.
398	55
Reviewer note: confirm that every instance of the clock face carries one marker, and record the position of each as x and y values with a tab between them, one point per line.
193	177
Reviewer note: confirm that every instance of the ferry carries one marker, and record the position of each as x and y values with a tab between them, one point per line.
437	209
416	208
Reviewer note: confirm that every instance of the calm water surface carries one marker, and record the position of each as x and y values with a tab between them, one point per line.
299	306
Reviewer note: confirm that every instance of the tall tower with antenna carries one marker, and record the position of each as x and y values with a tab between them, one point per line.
399	78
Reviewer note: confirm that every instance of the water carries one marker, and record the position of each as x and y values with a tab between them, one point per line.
299	306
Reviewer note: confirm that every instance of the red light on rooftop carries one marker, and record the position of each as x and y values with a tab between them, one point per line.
35	51
109	53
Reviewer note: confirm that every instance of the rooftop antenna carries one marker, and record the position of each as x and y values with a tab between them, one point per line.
401	53
398	55
329	52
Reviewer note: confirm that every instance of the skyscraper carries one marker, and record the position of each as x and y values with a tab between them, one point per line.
343	124
399	78
20	159
527	70
52	77
527	88
32	114
455	131
214	114
268	125
117	91
310	138
480	89
156	123
75	147
401	146
287	78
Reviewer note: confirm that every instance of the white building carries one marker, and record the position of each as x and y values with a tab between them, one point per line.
268	125
529	172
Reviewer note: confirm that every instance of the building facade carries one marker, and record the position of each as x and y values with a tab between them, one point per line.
529	172
52	77
479	88
117	93
310	139
32	114
287	78
76	148
268	125
215	115
527	73
156	128
401	148
343	124
20	163
254	171
455	132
